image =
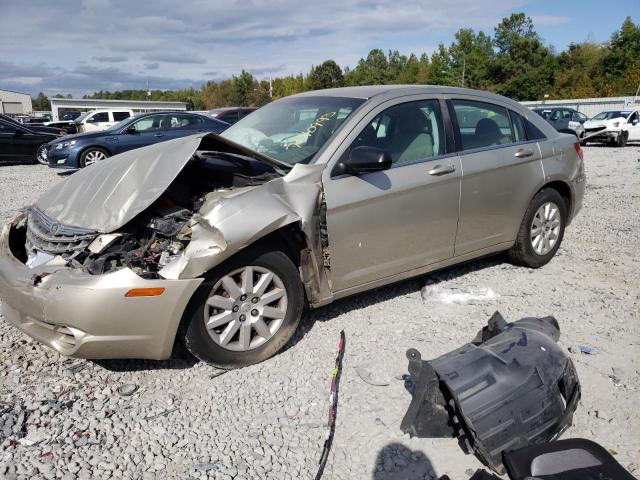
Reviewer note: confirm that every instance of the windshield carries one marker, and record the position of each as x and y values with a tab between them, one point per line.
610	115
292	130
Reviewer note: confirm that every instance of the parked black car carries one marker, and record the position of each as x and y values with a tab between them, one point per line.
78	151
19	143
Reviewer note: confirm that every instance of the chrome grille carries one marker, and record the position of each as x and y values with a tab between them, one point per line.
47	235
593	130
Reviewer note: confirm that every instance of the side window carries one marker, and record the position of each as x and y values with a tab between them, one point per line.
99	117
409	132
117	116
153	122
633	117
519	128
482	124
182	121
7	128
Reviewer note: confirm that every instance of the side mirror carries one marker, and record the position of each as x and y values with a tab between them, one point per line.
131	130
635	121
367	160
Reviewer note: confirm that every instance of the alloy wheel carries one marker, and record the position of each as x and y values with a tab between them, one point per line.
545	228
41	155
94	156
245	308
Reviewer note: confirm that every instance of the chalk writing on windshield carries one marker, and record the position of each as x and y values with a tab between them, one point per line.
311	129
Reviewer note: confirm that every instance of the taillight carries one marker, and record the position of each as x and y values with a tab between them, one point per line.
579	150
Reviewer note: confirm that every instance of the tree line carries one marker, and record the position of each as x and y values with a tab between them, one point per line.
514	61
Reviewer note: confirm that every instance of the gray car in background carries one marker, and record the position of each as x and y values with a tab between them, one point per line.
223	240
564	119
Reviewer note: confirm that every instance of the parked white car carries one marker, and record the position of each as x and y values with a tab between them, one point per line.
615	127
97	120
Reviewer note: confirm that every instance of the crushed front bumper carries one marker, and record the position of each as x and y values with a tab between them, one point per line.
88	316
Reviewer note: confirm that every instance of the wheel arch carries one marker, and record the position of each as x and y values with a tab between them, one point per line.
565	192
101	147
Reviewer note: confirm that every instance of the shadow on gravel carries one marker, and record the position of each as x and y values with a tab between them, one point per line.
180	359
397	462
389	292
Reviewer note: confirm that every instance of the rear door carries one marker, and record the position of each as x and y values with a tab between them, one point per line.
501	168
386	223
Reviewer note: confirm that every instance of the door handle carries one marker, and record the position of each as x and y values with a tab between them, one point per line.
442	169
159	135
523	153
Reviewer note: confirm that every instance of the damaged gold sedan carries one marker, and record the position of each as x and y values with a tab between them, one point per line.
223	240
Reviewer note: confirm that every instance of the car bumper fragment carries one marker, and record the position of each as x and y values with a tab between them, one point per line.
88	316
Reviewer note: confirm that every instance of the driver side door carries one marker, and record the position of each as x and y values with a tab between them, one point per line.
385	224
148	130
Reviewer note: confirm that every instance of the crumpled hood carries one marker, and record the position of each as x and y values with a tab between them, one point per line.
107	195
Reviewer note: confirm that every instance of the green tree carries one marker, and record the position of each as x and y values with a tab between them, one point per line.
41	103
523	68
326	75
471	56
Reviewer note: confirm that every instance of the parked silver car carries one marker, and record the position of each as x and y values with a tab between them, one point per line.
223	240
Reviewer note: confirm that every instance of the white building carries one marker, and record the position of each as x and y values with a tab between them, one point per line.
589	106
15	103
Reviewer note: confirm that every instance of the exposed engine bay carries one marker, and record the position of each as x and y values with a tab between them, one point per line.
154	237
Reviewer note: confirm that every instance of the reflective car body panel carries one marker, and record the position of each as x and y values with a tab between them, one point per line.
441	202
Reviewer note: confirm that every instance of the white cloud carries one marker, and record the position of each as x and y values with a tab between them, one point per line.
183	42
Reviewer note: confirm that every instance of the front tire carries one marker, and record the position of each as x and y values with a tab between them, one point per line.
622	139
92	155
541	231
245	311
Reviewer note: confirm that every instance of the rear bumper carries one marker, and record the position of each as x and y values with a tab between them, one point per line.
88	316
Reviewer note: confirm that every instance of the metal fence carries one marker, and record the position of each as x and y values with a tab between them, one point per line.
589	106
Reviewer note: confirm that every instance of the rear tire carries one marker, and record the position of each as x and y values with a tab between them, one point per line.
541	231
204	332
41	155
92	155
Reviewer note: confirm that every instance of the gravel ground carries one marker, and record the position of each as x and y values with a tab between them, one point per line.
69	418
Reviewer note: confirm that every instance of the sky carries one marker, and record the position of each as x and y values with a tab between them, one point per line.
81	46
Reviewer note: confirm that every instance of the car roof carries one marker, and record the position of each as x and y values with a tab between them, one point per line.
391	91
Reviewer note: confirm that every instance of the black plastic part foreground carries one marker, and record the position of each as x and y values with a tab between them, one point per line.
511	388
572	459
